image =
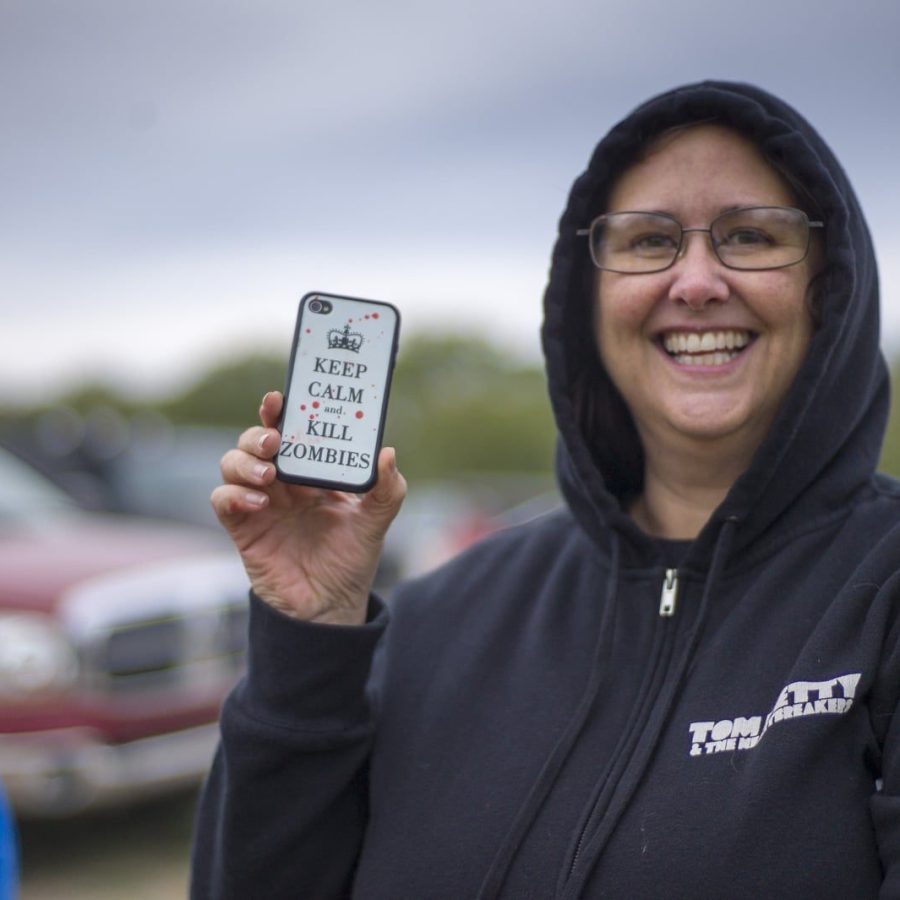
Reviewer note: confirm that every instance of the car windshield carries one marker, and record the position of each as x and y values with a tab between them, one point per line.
25	493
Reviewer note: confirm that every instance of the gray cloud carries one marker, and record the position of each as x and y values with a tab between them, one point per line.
138	131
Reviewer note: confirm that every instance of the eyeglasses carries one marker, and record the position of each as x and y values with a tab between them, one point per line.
752	238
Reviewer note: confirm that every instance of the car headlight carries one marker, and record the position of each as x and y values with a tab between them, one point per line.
35	656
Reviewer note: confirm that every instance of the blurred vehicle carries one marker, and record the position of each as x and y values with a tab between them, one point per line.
144	465
169	473
141	464
119	638
439	520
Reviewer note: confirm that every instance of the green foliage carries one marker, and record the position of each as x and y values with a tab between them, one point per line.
462	406
227	396
89	397
890	452
459	406
81	400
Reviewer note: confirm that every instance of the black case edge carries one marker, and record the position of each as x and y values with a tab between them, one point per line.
320	483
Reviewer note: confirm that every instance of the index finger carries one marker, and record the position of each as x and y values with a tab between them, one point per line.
270	408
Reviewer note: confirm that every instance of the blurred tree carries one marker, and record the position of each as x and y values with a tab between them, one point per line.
890	452
228	395
88	397
463	406
459	406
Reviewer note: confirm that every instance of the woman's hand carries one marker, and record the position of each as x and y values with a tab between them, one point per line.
310	553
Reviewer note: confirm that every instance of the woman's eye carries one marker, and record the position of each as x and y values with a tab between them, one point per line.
653	241
746	237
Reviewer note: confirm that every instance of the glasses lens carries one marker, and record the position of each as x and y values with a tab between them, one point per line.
765	237
634	242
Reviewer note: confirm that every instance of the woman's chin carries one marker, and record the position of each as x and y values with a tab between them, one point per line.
720	421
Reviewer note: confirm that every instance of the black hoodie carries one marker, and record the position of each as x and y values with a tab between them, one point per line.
540	722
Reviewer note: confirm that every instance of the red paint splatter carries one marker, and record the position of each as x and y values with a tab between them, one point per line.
374	315
359	414
312	417
315	404
302	407
309	330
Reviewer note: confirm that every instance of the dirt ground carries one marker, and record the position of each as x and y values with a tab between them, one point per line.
136	854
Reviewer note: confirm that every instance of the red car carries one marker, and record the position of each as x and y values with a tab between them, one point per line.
118	640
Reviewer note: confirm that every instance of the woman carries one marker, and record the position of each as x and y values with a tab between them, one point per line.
684	683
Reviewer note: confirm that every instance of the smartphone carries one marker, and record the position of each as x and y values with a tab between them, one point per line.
335	399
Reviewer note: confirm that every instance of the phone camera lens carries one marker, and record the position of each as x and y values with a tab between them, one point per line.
315	306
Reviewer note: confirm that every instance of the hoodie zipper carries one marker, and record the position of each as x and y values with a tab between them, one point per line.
669	595
667	602
649	729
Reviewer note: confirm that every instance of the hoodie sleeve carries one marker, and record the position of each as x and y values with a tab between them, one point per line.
283	809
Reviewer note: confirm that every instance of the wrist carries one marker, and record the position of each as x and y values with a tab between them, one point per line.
355	615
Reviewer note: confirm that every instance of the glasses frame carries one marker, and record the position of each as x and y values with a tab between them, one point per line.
589	233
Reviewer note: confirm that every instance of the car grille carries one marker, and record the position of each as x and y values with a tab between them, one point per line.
190	649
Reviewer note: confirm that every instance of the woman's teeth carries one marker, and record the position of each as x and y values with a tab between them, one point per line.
707	348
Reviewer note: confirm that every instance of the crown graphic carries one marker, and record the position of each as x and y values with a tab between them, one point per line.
344	340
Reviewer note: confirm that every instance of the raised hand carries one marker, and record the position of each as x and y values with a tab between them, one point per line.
309	552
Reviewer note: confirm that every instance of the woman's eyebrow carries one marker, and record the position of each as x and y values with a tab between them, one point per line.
659	211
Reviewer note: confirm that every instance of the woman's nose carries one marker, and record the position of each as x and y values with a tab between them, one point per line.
698	277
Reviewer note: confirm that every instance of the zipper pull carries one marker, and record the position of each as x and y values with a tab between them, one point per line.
669	593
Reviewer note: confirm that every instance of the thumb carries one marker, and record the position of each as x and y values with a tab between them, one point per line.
385	499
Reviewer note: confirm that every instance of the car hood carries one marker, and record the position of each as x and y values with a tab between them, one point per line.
41	559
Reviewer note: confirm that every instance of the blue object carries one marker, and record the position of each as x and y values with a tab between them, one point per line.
9	867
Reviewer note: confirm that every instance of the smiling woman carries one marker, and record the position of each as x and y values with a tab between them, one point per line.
686	682
701	337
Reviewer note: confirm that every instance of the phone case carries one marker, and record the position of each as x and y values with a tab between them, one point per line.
337	390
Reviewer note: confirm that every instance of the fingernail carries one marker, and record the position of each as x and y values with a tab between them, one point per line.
261	443
260	471
256	499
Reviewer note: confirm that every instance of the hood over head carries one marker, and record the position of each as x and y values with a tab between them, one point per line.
828	432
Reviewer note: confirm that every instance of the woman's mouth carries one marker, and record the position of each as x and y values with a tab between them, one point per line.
705	348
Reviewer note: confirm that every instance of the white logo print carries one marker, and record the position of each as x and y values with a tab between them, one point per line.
800	698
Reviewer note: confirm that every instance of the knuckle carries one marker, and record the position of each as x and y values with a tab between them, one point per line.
225	463
218	499
250	436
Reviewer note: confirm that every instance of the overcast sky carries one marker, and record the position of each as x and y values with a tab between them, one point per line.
176	174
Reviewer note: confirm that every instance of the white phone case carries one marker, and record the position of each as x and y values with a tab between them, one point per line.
337	390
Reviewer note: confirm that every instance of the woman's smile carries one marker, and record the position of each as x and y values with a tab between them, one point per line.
705	348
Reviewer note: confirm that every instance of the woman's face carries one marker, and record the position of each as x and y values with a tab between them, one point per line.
648	325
